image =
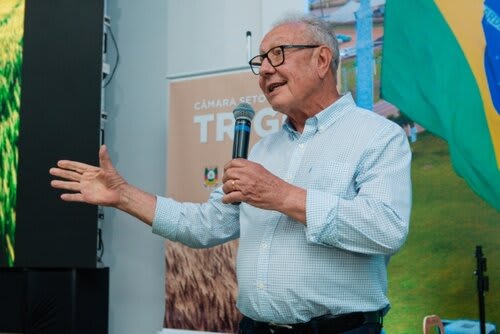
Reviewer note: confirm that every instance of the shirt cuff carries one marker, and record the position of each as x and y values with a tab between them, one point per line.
321	210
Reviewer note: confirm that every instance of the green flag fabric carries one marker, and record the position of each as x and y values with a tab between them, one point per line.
440	67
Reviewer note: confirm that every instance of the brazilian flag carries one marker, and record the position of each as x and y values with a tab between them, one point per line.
441	67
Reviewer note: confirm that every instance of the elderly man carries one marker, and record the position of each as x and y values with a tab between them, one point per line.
325	201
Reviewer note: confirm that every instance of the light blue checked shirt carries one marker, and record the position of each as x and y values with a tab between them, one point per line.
355	166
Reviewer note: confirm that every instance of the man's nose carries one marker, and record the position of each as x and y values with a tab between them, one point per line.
266	67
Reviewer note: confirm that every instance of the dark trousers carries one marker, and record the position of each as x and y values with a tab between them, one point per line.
248	326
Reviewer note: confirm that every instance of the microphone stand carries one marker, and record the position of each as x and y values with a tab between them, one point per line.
249	45
482	286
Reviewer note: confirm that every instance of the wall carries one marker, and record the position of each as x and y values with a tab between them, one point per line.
156	39
211	35
135	133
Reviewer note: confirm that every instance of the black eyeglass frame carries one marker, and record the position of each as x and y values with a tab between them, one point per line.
282	47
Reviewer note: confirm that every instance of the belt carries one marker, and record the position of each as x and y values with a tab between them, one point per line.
326	324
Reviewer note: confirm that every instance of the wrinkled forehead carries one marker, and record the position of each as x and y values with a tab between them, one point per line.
288	33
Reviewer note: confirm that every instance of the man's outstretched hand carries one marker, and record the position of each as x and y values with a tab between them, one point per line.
90	184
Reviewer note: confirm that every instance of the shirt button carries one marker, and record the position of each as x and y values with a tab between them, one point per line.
264	245
301	146
260	285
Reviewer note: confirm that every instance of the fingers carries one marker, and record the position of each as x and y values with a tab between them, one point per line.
72	197
76	177
81	167
236	163
72	170
232	192
66	185
230	186
234	197
104	159
76	166
65	174
235	169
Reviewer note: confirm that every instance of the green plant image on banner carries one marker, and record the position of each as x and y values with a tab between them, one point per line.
11	46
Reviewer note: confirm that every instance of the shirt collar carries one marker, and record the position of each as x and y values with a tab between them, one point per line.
325	118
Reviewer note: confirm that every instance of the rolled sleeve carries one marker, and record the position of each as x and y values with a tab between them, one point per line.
321	207
167	213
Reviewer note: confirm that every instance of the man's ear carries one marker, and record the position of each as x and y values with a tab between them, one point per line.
323	61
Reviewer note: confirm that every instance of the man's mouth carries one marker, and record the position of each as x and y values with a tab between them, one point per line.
275	85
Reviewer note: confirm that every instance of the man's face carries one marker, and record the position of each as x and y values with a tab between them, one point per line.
288	86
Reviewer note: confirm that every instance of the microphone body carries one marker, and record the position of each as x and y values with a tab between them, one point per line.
243	114
241	138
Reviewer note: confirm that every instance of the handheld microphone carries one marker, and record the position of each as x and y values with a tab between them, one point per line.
243	114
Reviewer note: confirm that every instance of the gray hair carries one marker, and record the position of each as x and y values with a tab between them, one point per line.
320	32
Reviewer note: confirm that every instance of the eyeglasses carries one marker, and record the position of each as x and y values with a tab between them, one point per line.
275	56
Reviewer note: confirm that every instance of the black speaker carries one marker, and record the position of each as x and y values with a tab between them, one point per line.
53	301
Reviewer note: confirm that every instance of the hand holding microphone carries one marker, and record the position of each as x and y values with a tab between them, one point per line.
243	115
247	180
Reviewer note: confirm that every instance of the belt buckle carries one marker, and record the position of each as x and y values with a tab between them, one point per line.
274	326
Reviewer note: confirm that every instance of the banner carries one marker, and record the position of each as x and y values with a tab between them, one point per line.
441	68
201	284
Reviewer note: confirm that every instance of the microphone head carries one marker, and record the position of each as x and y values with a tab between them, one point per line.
243	111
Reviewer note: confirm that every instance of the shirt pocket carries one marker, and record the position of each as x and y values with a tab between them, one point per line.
331	176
